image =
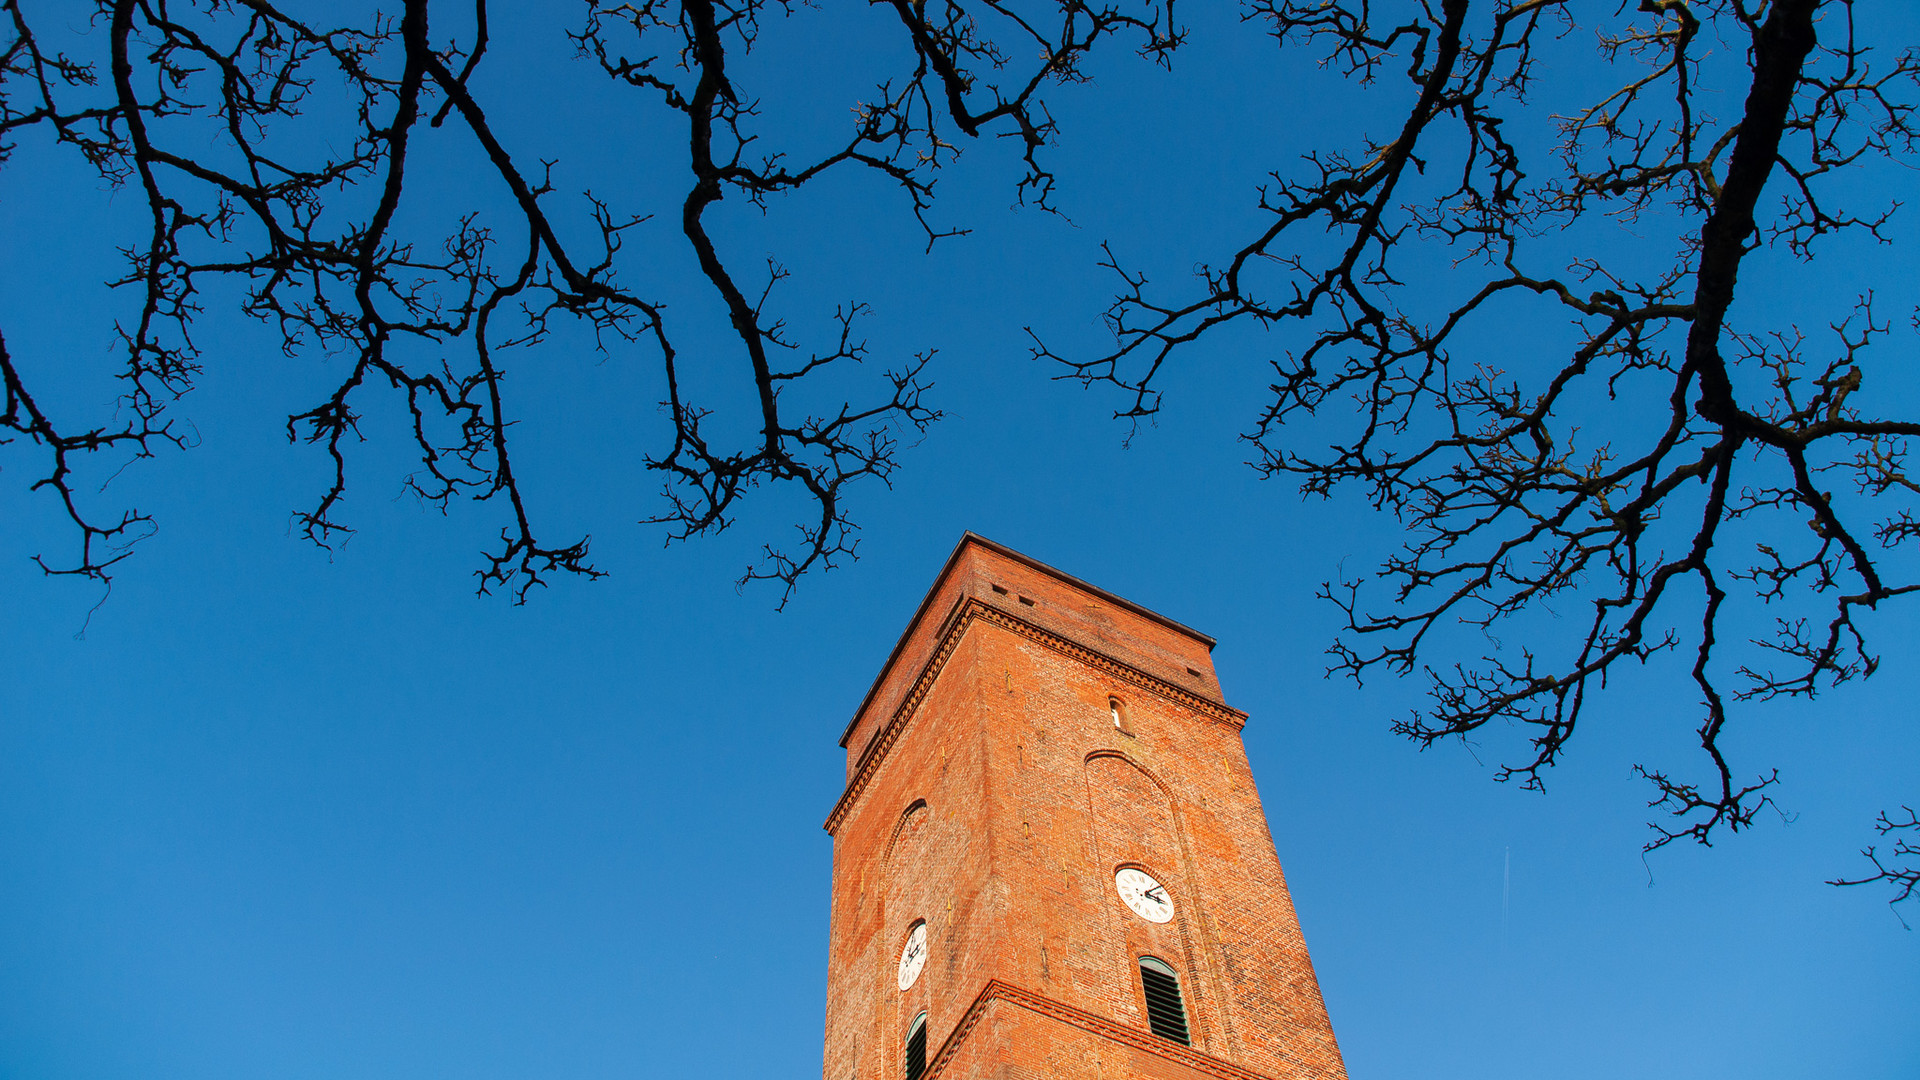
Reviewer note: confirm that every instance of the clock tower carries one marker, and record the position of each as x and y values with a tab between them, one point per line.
1050	860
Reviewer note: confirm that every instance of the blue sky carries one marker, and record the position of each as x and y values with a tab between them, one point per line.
284	814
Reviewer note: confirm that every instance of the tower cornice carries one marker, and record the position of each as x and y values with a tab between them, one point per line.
973	540
966	612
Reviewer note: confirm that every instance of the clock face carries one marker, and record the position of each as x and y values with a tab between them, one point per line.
914	956
1147	897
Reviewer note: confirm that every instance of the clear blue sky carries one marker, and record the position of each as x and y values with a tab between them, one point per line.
285	815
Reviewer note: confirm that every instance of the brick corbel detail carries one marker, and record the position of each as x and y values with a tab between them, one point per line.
964	614
1144	1041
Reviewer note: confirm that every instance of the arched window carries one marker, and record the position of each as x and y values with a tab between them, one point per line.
1165	1014
917	1047
1119	713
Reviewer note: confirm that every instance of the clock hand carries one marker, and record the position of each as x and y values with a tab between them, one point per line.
1156	894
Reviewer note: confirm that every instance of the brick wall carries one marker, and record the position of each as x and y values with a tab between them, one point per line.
990	795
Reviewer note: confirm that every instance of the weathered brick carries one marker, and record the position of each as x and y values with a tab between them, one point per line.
989	794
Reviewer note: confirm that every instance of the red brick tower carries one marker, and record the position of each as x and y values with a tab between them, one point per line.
1050	860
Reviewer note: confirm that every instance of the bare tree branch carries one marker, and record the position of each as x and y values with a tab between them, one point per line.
1625	466
196	117
1897	868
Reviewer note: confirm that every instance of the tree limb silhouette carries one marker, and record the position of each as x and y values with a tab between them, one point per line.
1627	463
208	112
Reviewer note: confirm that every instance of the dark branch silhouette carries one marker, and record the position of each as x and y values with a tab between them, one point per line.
1671	466
1897	868
1559	430
196	113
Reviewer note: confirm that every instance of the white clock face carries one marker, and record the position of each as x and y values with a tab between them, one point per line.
914	956
1147	897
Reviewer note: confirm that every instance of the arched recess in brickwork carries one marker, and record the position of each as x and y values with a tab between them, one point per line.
906	830
1131	812
1135	821
905	902
903	847
1121	757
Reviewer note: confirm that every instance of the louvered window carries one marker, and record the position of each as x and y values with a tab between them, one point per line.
917	1047
1165	1014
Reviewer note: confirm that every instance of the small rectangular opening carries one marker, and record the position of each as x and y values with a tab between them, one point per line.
1026	601
1195	673
1001	589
